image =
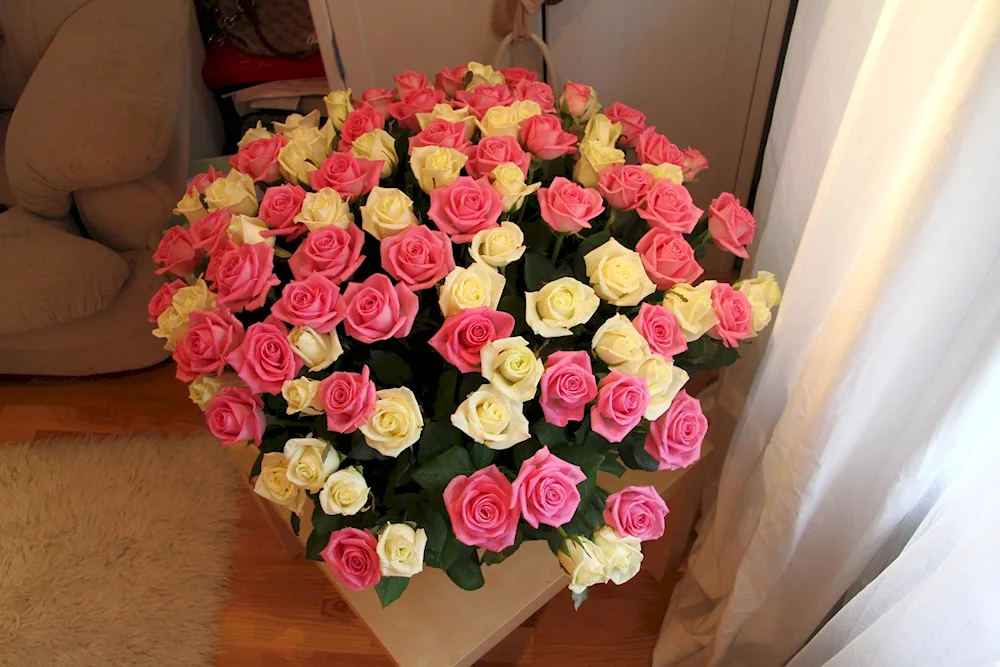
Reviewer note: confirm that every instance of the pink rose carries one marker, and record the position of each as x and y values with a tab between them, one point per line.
200	182
243	276
482	510
492	151
409	81
236	414
418	257
654	148
410	104
668	258
659	327
669	205
380	98
568	384
441	132
545	489
624	185
360	121
313	302
259	159
693	163
176	252
621	402
203	348
536	91
461	338
675	438
465	207
577	97
346	174
265	359
567	206
329	251
278	209
451	79
545	137
378	310
636	511
633	121
348	400
512	75
163	298
731	225
484	97
735	315
352	558
209	233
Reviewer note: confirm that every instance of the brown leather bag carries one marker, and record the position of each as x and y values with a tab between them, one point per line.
266	27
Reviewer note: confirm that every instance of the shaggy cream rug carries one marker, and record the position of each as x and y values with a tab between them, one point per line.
114	551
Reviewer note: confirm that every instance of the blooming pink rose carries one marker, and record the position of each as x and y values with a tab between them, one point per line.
348	400
236	414
380	98
669	205
378	310
451	79
567	206
203	348
668	258
410	104
465	207
209	232
621	403
278	209
418	257
492	151
329	251
461	338
536	91
259	159
731	225
545	489
512	75
313	302
568	384
441	132
484	97
163	298
409	81
633	121
544	136
624	185
360	121
675	438
653	148
352	558
577	97
659	327
176	252
735	315
200	182
482	510
243	276
348	175
265	359
636	511
694	162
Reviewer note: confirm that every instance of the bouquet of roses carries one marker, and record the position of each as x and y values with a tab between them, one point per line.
439	313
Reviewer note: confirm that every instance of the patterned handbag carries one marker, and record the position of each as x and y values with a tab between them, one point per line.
266	27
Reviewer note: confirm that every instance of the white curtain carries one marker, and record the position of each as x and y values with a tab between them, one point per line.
864	463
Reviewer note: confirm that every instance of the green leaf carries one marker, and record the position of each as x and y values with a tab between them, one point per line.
637	458
466	572
315	544
481	455
255	470
588	459
613	466
436	438
553	538
470	383
705	354
590	243
549	435
582	431
524	450
436	473
293	519
537	234
324	523
444	398
360	451
495	557
538	270
390	588
452	551
437	533
398	476
390	369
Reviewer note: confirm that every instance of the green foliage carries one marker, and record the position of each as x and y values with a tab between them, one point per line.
444	395
466	571
255	470
436	473
390	369
613	466
538	270
293	519
435	438
481	455
496	557
390	588
360	450
705	354
549	435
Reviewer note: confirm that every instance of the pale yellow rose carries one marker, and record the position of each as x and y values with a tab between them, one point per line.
508	179
512	368
491	419
478	285
297	120
194	297
274	485
387	212
190	207
617	274
665	171
623	555
293	161
601	129
692	306
315	143
663	379
584	562
171	325
525	109
401	550
317	350
483	74
206	387
396	424
377	145
500	122
594	158
345	492
302	396
235	192
436	167
617	341
253	134
323	208
763	293
310	462
446	112
558	306
246	230
498	246
338	105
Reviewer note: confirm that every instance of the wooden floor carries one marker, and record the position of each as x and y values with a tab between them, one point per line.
283	612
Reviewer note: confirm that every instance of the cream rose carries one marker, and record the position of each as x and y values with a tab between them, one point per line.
663	379
273	483
190	207
293	161
491	419
584	562
763	294
498	246
323	208
668	171
310	462
173	322
317	350
508	179
445	111
617	341
235	192
617	274
692	306
558	306
483	74
316	144
387	212
338	105
377	145
436	167
401	550
171	325
396	423
594	158
297	120
623	555
302	396
206	387
512	368
253	134
478	285
601	129
344	492
525	109
246	230
500	121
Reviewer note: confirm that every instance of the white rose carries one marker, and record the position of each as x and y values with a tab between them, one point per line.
500	122
445	111
508	179
273	484
377	145
253	134
246	230
763	294
323	208
623	555
478	285
584	562
302	396
317	350
194	297
235	192
338	105
436	167
692	306
297	120
558	306
344	492
498	246
396	423
600	128
310	462
316	144
617	341
668	171
171	325
190	207
491	419
387	212
594	158
617	274
401	550
483	74
293	161
510	366
663	379
206	387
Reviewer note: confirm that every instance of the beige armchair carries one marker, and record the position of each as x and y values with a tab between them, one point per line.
107	100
